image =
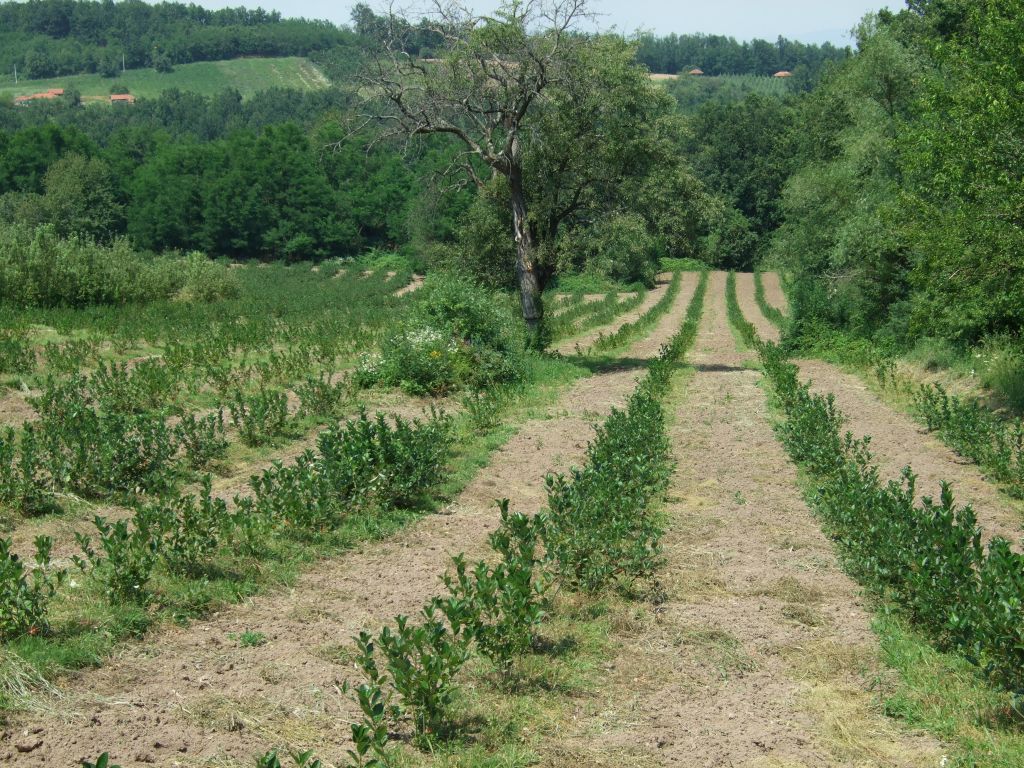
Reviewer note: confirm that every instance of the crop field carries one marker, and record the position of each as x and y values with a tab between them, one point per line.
207	78
227	533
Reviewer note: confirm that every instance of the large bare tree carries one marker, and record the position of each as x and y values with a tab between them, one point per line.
490	74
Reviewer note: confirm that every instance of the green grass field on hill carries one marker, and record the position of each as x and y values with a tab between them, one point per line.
206	77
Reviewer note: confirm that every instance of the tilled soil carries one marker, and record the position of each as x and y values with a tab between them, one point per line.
762	653
585	340
193	695
897	440
748	303
773	292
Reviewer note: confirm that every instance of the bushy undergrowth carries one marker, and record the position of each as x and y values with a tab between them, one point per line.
40	269
926	559
457	336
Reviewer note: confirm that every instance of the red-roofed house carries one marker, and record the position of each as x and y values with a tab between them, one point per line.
696	72
122	98
784	73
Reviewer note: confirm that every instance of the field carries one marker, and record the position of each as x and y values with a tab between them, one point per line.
207	78
706	585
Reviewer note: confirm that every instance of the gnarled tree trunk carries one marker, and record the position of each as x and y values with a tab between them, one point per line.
526	273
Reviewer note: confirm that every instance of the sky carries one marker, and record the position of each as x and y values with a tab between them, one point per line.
810	21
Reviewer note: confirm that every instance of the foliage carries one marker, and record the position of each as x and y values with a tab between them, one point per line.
40	268
130	550
55	38
25	592
721	55
927	559
500	606
421	661
202	438
457	336
260	417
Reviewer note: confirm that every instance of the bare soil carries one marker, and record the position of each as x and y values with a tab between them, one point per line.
192	695
414	285
897	440
762	653
773	292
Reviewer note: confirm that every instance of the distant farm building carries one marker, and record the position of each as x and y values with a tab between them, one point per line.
784	73
122	98
696	72
53	93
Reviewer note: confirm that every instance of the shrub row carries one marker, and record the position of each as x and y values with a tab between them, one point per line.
773	313
363	465
600	530
40	269
976	432
927	559
628	331
583	315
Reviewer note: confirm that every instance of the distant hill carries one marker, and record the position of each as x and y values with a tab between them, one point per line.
51	38
247	76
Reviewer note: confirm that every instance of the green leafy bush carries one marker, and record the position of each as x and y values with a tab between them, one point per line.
457	336
16	353
500	606
130	552
260	417
25	592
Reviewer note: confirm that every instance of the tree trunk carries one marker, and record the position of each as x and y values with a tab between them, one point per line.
526	274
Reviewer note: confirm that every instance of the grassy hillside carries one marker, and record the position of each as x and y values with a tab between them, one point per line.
205	77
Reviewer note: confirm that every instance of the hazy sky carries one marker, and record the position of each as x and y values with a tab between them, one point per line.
805	20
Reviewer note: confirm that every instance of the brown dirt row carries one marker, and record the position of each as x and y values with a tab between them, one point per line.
570	345
745	294
192	695
414	285
762	653
897	440
773	292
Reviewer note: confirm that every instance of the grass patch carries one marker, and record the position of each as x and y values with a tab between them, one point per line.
248	76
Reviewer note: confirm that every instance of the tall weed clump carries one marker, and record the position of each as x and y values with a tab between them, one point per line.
457	336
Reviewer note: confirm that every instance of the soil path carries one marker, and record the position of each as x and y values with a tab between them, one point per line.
582	341
414	285
748	303
762	654
773	292
897	440
193	695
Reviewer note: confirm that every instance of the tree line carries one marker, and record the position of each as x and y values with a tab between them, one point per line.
891	193
722	55
50	38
